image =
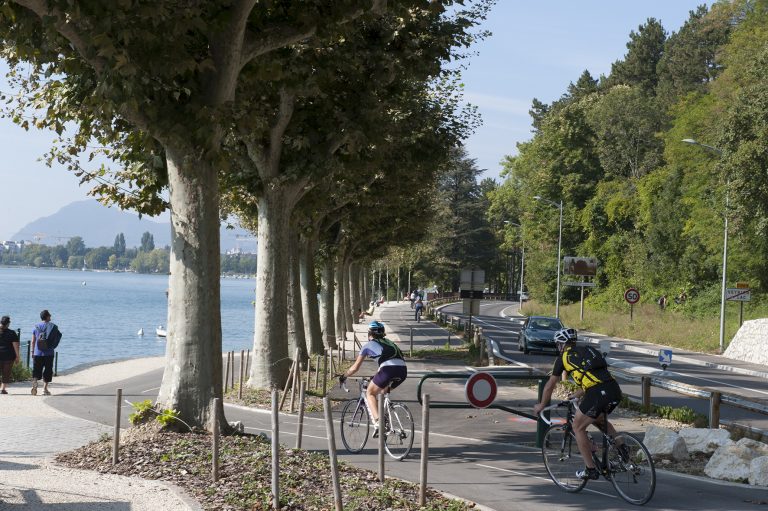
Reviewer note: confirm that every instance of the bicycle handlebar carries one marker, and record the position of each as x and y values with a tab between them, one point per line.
567	402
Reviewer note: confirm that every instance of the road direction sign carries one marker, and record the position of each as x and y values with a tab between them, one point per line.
469	293
735	294
473	279
665	358
632	296
579	284
480	390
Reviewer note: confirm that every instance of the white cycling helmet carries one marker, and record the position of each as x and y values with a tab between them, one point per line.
565	335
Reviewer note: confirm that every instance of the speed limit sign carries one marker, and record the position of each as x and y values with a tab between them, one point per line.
632	296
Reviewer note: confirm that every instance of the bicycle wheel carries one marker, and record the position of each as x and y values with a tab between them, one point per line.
354	425
399	439
562	458
632	474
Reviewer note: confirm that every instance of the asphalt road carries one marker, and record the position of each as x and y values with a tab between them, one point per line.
483	455
500	321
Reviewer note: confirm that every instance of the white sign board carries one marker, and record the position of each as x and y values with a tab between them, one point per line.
736	294
471	307
473	279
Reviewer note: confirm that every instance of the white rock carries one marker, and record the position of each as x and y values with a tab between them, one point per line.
758	471
665	443
750	343
704	440
732	462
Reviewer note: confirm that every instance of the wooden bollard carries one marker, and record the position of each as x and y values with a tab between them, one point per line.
330	434
714	410
317	371
382	436
232	381
296	379
300	422
215	439
309	372
226	374
325	375
424	450
646	388
287	383
247	364
242	370
116	439
275	451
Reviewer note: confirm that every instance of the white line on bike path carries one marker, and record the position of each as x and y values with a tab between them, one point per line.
524	474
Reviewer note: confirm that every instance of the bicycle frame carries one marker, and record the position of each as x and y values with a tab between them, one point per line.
398	427
624	461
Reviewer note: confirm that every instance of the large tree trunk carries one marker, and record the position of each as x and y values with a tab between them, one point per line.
348	306
192	376
310	306
296	337
339	292
271	362
327	303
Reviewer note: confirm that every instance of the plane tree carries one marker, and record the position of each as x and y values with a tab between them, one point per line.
321	118
154	84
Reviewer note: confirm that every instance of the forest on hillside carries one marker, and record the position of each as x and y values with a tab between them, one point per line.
649	206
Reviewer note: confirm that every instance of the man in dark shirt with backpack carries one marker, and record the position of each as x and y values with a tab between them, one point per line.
45	339
600	393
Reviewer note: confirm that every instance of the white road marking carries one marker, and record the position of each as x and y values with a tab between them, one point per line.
150	390
540	478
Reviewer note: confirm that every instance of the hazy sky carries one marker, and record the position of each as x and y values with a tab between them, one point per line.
536	50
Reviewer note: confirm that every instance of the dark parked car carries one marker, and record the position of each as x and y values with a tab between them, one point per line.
538	334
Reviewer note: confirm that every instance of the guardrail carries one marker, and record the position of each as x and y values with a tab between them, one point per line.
523	374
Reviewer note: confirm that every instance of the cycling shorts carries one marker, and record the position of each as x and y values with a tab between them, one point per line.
603	397
390	375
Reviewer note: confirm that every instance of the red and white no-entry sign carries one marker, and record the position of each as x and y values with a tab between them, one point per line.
480	390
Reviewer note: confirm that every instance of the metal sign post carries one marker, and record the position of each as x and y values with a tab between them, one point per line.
632	296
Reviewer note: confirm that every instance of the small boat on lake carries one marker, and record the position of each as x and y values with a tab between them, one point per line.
160	331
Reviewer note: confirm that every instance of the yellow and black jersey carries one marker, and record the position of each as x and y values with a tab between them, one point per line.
572	361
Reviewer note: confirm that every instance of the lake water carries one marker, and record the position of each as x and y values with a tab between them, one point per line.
100	313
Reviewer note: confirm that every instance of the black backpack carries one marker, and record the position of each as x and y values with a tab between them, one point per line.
584	359
389	351
49	341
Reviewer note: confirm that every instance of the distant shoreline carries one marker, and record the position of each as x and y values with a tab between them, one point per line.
54	268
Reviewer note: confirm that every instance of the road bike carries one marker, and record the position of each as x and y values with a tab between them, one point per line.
622	459
356	423
419	312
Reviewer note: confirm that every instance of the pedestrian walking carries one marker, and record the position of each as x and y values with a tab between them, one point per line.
43	352
9	352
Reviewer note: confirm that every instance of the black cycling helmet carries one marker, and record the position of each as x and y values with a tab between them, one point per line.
376	329
564	336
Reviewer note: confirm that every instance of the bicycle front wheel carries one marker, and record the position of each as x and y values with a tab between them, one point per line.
354	425
631	467
562	458
399	439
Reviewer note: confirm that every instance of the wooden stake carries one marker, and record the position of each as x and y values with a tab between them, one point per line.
116	439
216	434
332	453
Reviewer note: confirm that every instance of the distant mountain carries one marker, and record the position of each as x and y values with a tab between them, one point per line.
98	225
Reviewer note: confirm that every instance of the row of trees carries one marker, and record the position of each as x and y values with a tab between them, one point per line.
309	120
647	205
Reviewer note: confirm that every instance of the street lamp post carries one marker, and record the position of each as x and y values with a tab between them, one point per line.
559	244
522	260
725	243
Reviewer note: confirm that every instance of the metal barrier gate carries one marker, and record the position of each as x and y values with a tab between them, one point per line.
541	426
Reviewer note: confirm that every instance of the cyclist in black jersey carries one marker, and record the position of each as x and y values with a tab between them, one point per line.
599	393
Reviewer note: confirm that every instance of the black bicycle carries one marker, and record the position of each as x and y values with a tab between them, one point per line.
622	459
